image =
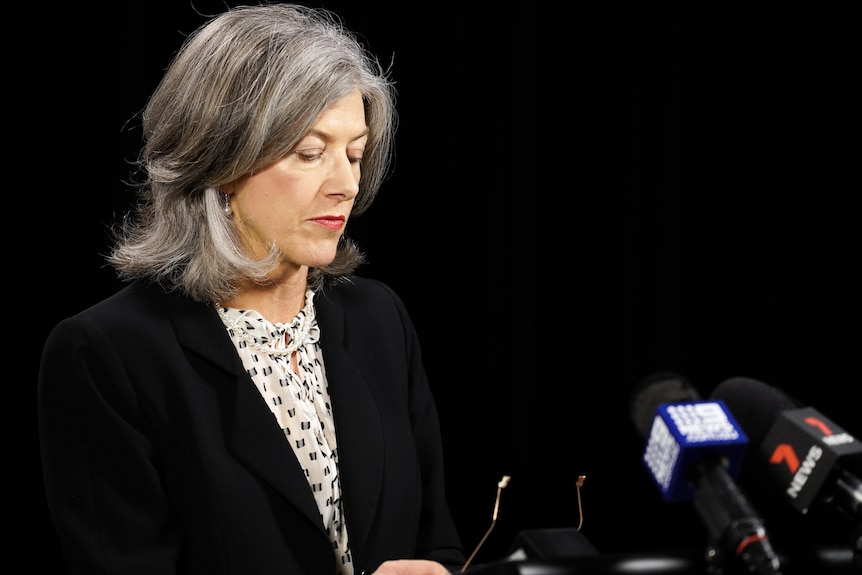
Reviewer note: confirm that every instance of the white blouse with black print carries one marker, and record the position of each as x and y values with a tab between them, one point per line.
299	400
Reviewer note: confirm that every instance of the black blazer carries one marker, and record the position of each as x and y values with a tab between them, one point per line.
161	457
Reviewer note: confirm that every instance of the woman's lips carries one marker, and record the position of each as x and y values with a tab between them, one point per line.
331	222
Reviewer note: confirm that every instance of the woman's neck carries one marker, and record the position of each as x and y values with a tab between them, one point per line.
277	301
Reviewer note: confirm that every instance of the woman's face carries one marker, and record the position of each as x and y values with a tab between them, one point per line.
302	202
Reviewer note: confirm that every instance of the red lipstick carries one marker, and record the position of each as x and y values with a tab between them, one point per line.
331	222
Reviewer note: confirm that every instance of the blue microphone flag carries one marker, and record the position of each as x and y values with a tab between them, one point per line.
682	435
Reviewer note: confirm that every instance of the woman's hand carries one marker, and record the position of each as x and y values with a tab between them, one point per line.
411	567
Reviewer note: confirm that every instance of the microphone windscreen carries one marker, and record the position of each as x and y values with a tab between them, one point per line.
754	404
652	391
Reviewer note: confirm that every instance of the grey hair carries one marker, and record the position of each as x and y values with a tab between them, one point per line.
243	89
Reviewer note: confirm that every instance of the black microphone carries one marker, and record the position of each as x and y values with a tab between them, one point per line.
693	447
809	457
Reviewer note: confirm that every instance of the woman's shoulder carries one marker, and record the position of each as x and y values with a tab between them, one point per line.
132	307
366	315
137	298
360	295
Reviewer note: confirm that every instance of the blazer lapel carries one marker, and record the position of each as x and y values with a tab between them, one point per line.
358	428
250	429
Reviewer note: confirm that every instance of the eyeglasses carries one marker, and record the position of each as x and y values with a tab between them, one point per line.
578	485
500	486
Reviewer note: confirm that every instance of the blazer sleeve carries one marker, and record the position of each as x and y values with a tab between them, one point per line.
101	473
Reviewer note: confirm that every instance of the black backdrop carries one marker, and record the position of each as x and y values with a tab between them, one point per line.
579	200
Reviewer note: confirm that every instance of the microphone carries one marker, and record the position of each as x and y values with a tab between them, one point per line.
694	447
812	459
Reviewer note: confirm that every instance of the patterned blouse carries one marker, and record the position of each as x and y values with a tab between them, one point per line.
299	402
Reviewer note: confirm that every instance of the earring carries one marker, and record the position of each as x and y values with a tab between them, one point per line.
226	208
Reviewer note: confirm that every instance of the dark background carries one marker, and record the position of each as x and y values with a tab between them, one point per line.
579	200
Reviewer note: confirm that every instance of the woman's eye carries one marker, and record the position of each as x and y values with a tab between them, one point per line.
307	156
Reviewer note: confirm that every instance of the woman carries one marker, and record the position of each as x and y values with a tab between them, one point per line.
246	404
